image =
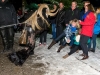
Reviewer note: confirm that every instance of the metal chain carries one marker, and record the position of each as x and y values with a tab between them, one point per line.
11	25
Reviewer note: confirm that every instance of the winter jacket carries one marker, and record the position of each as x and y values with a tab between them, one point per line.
77	39
97	25
72	14
60	17
7	14
88	24
70	31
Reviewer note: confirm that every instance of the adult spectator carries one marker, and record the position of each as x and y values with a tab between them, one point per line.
7	17
72	13
83	10
53	23
60	20
87	23
95	32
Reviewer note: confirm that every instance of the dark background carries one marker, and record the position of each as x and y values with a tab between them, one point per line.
96	3
18	3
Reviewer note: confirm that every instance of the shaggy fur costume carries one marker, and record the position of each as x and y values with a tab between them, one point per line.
38	22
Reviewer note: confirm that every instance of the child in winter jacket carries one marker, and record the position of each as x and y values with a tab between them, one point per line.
76	45
70	30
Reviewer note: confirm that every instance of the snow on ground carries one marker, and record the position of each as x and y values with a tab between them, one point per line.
52	63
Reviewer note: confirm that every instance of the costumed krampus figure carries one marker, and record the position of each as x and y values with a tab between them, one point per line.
36	23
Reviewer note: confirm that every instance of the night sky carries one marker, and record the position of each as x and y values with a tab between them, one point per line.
18	3
96	3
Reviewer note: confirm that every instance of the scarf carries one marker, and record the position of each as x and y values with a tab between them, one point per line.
85	14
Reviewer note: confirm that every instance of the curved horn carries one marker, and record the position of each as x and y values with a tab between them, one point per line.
33	21
52	14
53	10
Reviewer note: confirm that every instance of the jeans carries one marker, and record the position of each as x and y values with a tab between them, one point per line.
59	31
61	36
7	35
72	39
43	36
93	40
83	43
53	31
73	49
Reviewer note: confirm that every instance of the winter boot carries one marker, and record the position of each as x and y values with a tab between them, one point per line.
65	56
61	47
52	43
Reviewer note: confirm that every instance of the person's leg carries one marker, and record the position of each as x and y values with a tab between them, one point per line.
41	37
56	40
72	40
57	31
94	41
54	31
11	37
89	44
63	45
64	42
45	37
32	44
60	37
83	43
4	36
73	49
60	32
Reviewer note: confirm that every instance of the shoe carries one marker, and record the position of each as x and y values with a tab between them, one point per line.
44	44
61	47
59	44
52	43
51	38
81	55
77	51
65	56
92	51
40	44
85	57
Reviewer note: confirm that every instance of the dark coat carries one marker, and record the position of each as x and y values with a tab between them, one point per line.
53	18
70	15
7	14
60	17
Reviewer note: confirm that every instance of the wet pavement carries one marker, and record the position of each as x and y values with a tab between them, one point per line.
28	68
49	62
